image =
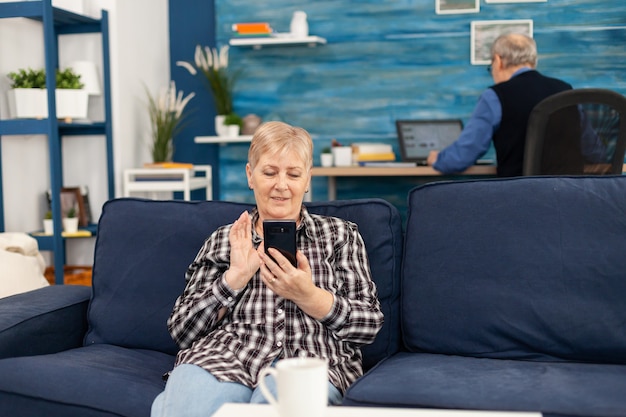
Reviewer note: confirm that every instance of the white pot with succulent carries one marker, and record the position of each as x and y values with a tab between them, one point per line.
70	221
326	157
212	63
233	123
28	97
48	225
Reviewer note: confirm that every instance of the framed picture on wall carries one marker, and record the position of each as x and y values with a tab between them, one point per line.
516	1
457	6
484	32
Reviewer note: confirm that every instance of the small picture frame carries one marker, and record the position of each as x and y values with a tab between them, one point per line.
457	6
485	32
77	197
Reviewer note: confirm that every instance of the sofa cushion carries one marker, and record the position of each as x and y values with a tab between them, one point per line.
48	320
523	268
99	380
142	251
440	381
144	247
380	225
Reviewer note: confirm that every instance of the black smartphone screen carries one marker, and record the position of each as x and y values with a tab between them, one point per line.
281	235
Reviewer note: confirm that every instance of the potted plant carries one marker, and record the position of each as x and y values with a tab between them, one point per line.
233	123
70	221
166	115
48	226
212	63
326	157
28	95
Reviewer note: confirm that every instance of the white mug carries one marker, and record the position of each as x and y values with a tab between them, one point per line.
302	385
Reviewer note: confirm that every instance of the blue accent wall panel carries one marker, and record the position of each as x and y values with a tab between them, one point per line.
388	60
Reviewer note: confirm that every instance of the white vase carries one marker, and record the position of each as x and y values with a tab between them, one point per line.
299	26
342	156
220	127
70	224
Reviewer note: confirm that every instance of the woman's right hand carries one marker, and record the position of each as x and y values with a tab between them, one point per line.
244	259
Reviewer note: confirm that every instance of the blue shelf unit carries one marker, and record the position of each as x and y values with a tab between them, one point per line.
57	22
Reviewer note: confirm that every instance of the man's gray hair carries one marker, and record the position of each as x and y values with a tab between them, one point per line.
515	49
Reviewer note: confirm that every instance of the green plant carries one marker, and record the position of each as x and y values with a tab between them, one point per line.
213	64
233	119
68	79
48	215
71	213
166	115
326	150
30	78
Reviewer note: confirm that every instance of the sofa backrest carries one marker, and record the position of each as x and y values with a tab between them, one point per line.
526	268
144	247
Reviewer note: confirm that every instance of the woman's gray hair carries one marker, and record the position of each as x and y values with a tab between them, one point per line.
275	138
515	49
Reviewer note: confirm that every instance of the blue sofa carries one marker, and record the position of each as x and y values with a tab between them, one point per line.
502	294
513	295
101	351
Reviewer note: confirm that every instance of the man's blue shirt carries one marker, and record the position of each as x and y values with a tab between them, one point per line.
475	139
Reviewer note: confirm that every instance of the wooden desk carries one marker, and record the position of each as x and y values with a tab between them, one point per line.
356	171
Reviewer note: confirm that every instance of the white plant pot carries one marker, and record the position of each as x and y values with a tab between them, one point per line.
70	224
32	103
326	159
232	131
27	103
48	227
72	104
220	127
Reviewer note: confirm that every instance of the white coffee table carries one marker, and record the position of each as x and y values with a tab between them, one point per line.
264	410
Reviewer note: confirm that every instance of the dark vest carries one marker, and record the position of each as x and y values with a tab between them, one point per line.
518	96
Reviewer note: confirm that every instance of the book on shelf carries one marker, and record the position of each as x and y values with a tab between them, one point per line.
252	28
168	165
374	157
373	152
389	164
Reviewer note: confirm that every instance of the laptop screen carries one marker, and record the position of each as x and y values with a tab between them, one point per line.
416	138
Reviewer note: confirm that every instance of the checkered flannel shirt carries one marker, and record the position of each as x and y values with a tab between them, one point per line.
261	326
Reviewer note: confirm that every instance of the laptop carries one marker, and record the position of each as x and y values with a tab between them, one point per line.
416	138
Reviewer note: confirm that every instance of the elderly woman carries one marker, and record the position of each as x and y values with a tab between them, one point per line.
241	310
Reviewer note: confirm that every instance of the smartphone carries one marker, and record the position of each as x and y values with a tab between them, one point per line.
281	235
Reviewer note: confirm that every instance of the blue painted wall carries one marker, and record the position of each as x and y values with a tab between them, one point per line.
387	60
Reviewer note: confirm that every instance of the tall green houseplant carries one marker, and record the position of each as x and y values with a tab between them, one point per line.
212	63
166	114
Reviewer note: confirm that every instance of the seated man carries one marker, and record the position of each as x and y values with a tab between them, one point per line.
502	111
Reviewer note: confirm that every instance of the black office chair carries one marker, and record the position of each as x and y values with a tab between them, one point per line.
577	132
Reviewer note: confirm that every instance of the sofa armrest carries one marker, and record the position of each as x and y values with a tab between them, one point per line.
46	320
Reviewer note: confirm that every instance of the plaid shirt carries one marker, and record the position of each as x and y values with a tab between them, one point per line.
262	326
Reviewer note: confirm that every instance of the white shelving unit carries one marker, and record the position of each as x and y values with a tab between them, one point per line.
222	140
258	43
154	180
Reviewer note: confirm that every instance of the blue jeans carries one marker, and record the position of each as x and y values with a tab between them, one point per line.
191	391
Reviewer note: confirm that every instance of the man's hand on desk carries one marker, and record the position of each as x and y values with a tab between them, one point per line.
432	157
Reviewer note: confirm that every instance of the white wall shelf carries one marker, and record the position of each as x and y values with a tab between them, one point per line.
258	43
222	140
